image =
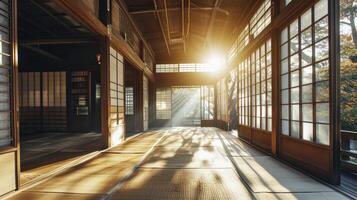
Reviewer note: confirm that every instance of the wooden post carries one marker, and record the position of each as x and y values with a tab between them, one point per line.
275	84
105	90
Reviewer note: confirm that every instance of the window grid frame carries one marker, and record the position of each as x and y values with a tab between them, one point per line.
314	101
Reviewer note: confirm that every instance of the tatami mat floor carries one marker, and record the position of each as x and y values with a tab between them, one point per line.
181	163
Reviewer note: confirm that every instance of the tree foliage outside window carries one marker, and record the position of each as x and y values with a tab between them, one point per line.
348	35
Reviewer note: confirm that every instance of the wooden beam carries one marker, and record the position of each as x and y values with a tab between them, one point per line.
177	9
43	52
162	28
167	22
188	17
211	21
58	41
183	25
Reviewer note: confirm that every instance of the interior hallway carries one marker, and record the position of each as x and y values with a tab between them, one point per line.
181	163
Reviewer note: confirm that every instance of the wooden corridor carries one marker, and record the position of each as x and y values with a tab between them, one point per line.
180	163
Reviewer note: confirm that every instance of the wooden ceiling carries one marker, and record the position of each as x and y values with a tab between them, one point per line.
183	30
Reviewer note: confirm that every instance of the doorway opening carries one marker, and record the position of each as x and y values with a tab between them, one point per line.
59	90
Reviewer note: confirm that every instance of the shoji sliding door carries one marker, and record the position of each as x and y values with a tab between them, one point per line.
117	115
8	116
306	90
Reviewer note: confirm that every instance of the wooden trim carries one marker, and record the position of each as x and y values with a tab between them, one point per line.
105	91
334	30
15	87
8	150
291	12
275	85
122	6
119	44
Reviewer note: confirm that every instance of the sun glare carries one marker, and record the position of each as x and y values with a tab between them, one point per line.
216	61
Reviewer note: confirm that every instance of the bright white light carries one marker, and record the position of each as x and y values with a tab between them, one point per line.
216	62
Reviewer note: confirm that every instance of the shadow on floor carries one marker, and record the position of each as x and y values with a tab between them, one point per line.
45	152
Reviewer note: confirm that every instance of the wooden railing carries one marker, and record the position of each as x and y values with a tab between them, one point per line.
349	151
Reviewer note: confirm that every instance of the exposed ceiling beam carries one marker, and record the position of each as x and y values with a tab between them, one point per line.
161	27
211	21
183	25
217	8
167	22
177	9
43	52
188	17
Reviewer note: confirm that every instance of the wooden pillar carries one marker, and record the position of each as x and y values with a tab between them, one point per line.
15	123
105	90
334	32
152	104
139	102
275	84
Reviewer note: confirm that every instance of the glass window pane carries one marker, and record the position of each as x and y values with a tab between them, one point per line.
285	127
321	9
306	94
322	70
307	112
322	91
294	45
322	112
306	56
306	38
295	129
285	97
284	51
285	112
321	50
284	66
307	75
294	62
285	81
308	131
323	134
295	94
321	29
306	19
295	78
294	28
284	36
295	112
